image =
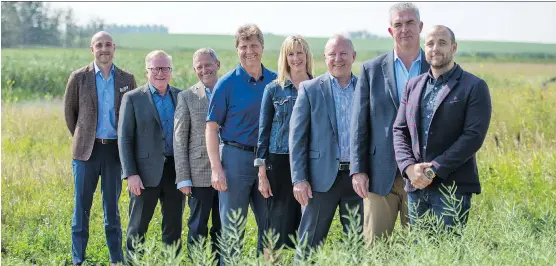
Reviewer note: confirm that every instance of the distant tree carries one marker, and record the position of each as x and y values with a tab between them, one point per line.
10	25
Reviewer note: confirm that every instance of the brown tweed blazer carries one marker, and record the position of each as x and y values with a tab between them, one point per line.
190	149
81	103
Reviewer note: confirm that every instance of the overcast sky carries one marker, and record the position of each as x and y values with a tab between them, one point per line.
499	21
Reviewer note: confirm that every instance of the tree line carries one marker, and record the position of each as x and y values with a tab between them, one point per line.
37	24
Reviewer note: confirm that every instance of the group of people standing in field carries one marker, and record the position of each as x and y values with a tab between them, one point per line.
293	146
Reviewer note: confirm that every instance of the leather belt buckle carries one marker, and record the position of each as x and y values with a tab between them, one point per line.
343	167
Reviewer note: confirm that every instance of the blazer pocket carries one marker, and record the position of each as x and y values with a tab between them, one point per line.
196	153
314	154
143	155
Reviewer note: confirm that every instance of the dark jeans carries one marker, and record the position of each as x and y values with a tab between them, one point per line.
202	202
243	190
284	211
431	199
141	209
105	162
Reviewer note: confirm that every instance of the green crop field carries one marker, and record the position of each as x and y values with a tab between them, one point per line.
513	222
273	42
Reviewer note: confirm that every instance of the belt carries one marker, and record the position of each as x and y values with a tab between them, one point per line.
106	141
168	159
343	167
239	146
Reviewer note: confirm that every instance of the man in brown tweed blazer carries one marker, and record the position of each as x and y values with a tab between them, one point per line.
193	172
91	109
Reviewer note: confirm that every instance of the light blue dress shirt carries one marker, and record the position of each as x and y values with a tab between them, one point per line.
165	107
106	116
342	102
403	75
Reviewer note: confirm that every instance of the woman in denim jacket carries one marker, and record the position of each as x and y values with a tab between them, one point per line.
295	64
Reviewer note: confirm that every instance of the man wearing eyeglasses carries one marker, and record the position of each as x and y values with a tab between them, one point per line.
146	133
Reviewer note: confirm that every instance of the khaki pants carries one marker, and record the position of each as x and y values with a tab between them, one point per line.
381	212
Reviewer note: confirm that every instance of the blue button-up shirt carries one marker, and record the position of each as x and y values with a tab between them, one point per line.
236	103
165	107
106	116
403	75
208	93
343	98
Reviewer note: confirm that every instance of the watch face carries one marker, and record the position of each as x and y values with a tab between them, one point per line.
429	173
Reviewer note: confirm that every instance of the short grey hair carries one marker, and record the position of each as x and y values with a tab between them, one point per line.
344	38
157	53
205	51
402	7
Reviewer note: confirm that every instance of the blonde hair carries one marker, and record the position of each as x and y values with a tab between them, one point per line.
288	46
247	32
157	53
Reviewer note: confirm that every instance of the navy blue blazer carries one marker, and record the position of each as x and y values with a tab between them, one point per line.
375	106
457	131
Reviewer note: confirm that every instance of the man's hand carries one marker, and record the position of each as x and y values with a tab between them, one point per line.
134	184
416	175
218	180
264	185
186	190
302	192
360	182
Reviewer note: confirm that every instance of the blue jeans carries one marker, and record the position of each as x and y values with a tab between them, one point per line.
242	182
105	162
421	201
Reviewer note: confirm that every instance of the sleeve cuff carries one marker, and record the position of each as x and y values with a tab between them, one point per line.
186	183
299	181
259	162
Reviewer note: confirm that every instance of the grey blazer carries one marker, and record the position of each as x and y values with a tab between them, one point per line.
313	140
140	137
190	149
375	105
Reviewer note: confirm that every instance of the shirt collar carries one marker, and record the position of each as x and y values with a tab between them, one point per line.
397	58
97	69
337	84
243	73
444	77
154	91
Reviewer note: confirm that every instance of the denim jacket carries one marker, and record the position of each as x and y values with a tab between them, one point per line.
276	109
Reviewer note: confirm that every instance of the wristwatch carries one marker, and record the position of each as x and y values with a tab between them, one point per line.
429	173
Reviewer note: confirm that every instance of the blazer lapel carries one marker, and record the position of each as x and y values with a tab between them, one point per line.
152	106
390	78
447	88
199	90
424	64
326	88
91	85
118	83
413	105
174	94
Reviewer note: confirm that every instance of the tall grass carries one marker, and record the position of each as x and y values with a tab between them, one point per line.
513	222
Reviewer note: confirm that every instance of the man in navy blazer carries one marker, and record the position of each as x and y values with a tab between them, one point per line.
377	96
319	144
442	122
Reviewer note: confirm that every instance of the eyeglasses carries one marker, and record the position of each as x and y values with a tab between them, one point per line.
164	70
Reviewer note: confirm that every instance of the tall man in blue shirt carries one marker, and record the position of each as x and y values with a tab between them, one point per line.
91	110
146	133
234	113
377	98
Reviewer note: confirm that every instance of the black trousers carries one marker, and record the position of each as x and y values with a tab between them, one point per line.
141	209
284	212
202	202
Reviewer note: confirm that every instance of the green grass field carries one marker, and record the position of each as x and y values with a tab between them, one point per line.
273	42
513	222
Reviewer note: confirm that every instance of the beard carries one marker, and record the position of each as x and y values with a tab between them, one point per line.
440	63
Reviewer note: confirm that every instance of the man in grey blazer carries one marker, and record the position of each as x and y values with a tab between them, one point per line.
377	98
190	150
146	151
319	145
